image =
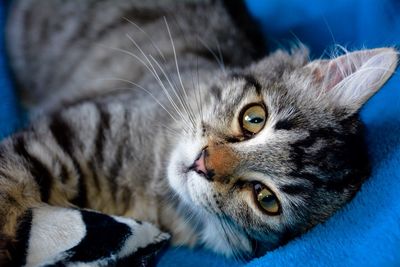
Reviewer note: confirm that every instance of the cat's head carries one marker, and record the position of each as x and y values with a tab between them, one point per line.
277	147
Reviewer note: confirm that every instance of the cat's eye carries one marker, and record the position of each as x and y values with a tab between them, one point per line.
252	119
266	199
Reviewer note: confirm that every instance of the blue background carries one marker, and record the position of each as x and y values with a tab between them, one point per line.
366	232
10	115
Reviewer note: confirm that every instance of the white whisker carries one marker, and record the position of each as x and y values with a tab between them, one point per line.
171	86
190	112
145	90
158	79
222	67
127	53
147	36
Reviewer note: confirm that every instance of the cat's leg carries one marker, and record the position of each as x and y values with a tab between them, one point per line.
49	235
34	233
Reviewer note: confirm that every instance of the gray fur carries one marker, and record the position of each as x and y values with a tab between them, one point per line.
121	147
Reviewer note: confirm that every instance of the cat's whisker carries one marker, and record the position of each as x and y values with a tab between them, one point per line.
153	72
185	107
229	234
190	114
222	67
129	53
296	43
143	89
154	45
147	36
195	94
196	89
221	58
177	93
191	216
198	84
181	101
157	77
239	254
329	29
169	130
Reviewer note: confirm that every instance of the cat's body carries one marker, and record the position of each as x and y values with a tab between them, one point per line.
109	137
138	119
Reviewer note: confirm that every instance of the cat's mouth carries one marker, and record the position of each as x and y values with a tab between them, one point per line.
187	168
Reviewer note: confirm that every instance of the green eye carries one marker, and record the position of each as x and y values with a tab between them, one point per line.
253	119
266	199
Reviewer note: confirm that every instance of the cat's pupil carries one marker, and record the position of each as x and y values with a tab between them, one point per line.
254	119
268	200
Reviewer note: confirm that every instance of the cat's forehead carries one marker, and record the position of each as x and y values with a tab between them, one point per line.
241	89
271	77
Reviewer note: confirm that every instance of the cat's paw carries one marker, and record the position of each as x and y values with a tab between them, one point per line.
69	237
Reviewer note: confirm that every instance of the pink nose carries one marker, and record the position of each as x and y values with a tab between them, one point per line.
199	164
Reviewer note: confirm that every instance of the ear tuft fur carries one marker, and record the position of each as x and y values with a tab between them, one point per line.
349	80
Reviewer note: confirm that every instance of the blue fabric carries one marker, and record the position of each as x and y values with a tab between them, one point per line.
367	231
9	110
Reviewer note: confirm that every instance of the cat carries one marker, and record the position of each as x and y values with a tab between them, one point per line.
156	115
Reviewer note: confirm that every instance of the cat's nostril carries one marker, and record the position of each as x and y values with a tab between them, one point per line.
199	165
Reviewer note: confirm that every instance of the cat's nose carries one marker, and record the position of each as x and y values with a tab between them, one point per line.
199	165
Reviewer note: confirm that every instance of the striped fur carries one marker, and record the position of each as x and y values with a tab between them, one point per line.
126	101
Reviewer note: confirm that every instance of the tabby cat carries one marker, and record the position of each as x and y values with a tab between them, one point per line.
166	112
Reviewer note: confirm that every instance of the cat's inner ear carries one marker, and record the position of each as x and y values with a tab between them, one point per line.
350	80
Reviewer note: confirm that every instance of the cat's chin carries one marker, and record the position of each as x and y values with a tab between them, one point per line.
185	183
193	191
178	177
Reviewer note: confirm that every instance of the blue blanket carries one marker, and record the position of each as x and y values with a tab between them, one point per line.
10	115
367	231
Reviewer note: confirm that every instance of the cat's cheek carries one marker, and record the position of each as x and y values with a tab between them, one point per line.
180	160
215	237
188	185
198	190
176	177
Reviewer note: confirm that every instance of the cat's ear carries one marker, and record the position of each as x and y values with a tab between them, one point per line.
350	80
